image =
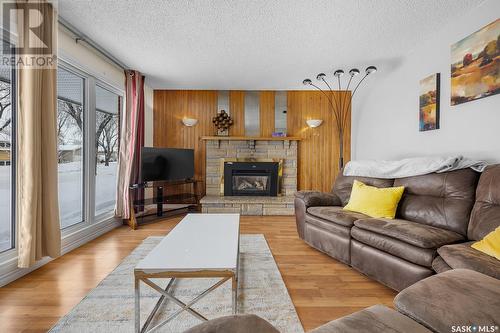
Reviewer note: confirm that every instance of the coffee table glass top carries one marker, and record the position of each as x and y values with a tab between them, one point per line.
199	242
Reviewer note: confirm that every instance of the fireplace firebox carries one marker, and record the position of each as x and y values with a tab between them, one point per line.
251	178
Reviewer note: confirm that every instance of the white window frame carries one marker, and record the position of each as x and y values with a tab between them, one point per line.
120	93
91	80
92	226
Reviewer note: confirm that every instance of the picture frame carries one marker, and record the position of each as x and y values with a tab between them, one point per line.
429	101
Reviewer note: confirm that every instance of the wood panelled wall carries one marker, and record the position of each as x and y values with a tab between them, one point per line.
237	111
169	107
318	151
266	110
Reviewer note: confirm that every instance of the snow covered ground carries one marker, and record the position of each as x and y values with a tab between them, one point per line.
70	195
5	203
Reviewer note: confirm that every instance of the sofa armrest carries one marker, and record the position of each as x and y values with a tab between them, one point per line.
459	297
305	199
315	198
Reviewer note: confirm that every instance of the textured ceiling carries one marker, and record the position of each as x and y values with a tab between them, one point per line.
257	44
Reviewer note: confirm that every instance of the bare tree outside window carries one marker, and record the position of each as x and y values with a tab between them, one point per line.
70	137
108	106
6	146
71	124
107	137
5	103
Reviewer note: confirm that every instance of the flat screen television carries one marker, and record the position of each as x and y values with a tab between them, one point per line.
166	164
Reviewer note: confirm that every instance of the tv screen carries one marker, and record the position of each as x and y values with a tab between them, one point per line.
166	164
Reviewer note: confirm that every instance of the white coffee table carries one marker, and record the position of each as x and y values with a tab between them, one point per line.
200	246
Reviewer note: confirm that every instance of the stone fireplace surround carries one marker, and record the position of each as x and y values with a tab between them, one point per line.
218	150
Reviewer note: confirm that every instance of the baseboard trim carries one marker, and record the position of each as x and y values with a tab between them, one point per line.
10	272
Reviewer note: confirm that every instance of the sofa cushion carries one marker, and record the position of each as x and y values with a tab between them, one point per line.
377	318
414	233
343	185
458	297
392	271
333	228
336	215
248	323
443	200
439	265
485	216
464	256
414	254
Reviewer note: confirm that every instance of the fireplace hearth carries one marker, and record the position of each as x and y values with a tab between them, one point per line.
251	178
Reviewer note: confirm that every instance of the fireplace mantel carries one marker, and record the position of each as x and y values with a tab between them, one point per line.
250	138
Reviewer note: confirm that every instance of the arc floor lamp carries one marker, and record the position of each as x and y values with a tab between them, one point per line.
340	109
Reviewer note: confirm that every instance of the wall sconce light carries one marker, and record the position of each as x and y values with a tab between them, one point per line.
314	122
189	122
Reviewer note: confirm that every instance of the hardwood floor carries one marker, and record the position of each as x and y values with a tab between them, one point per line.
321	288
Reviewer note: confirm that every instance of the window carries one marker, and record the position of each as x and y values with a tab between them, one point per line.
108	106
7	176
70	129
88	129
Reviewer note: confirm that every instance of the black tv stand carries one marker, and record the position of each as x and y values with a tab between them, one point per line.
159	202
169	197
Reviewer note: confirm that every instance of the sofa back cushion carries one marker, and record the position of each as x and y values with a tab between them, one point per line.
485	216
442	200
343	185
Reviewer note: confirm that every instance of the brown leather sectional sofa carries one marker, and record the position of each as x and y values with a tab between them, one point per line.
434	217
453	301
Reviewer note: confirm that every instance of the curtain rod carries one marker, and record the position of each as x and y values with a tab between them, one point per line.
79	36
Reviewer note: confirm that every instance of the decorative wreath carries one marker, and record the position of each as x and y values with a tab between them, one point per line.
222	121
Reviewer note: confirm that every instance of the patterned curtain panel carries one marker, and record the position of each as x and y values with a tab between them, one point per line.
36	185
131	141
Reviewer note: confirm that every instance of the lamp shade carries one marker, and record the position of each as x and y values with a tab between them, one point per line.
314	122
189	122
370	70
338	73
320	76
354	72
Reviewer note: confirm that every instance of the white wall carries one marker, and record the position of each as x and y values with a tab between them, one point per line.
385	119
89	60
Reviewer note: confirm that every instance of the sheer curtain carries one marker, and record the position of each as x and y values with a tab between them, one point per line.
131	140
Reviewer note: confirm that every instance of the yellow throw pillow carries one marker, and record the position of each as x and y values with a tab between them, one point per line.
374	201
490	244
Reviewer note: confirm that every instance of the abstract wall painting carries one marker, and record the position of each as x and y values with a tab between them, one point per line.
429	103
475	65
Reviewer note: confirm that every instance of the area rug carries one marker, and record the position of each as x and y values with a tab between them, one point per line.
110	306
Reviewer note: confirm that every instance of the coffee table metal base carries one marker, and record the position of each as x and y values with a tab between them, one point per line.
166	295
